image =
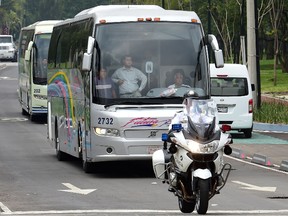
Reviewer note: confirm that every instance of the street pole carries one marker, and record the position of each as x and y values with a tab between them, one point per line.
209	17
251	47
257	58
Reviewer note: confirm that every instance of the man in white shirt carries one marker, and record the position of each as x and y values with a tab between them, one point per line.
127	78
178	80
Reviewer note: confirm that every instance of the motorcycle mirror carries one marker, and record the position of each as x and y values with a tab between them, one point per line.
226	128
227	150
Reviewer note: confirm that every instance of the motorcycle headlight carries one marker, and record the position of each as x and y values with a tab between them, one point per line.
207	148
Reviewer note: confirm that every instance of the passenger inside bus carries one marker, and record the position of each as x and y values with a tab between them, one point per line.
127	78
105	87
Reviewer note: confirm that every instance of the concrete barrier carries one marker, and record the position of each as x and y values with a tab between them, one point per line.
238	153
261	159
284	165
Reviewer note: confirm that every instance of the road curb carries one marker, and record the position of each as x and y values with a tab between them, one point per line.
270	127
284	165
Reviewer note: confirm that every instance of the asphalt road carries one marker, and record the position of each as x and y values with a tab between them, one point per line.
33	182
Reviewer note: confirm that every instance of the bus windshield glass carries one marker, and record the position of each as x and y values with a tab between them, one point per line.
41	54
149	63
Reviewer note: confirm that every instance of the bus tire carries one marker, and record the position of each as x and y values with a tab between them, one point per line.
24	112
80	142
33	118
87	166
59	154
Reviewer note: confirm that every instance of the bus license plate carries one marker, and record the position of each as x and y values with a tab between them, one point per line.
222	109
152	149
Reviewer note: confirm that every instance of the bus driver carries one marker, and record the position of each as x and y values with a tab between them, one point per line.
127	78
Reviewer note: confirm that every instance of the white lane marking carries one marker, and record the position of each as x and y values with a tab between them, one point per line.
74	189
255	187
7	78
11	119
4	208
257	165
138	211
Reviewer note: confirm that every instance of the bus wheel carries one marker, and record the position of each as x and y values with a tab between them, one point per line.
24	112
33	117
80	142
87	166
59	154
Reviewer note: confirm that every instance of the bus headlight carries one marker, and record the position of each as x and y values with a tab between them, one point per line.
106	131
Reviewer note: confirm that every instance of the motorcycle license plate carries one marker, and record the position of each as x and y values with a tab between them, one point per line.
152	149
222	109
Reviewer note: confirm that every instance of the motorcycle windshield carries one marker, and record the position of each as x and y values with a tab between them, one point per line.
201	117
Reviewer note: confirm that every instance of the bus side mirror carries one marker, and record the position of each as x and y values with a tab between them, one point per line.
28	51
219	60
87	57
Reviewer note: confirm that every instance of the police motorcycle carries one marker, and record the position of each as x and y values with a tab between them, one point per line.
191	160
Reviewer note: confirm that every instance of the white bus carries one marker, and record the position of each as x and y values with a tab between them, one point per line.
95	127
32	67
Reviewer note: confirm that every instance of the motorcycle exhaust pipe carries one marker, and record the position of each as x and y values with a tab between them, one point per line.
227	150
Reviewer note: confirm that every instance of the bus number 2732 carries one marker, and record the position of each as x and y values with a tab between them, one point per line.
105	121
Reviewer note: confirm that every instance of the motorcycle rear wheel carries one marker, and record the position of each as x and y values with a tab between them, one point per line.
186	207
202	196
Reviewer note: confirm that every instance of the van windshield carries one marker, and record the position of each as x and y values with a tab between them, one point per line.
5	39
149	62
229	86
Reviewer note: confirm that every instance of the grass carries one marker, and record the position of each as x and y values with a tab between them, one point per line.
267	78
275	113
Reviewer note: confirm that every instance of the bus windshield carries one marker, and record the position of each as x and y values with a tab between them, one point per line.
40	55
149	63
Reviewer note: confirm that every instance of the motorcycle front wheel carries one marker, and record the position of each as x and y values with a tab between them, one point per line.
202	196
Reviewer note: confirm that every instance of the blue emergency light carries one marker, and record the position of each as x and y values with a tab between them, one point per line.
176	127
164	137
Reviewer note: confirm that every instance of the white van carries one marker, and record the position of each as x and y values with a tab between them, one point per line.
232	91
7	48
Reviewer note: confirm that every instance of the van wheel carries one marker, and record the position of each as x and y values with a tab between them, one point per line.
248	133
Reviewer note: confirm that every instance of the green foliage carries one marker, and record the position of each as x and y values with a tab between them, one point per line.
273	113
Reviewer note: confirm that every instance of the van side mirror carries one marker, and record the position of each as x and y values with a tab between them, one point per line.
253	87
219	60
87	57
28	51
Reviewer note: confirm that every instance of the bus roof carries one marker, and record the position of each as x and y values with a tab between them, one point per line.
45	26
130	13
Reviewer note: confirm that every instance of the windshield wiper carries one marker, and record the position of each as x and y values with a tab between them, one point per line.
149	101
